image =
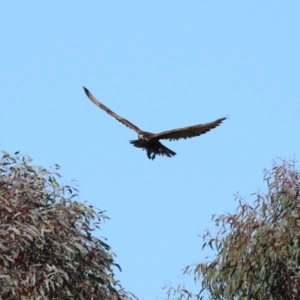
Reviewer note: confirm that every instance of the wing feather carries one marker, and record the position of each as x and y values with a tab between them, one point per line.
188	132
110	112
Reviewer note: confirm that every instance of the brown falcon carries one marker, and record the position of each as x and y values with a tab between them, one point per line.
150	141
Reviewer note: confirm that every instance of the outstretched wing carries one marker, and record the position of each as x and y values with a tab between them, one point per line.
110	112
187	132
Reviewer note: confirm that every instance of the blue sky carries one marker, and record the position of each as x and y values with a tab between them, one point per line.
162	65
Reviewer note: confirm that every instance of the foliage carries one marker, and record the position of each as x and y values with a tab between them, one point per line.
47	250
257	247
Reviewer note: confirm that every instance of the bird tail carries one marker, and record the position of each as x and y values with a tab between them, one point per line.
152	150
166	151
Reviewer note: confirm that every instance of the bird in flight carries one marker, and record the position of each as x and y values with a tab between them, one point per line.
150	141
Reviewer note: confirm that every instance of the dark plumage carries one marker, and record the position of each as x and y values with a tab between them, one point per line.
150	141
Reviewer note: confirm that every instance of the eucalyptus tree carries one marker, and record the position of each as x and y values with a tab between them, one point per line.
47	249
257	248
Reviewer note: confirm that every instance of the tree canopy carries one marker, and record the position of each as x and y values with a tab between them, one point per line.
257	248
47	250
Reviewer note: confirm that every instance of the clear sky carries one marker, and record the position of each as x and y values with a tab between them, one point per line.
162	65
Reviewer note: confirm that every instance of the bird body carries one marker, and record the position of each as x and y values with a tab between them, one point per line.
150	141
